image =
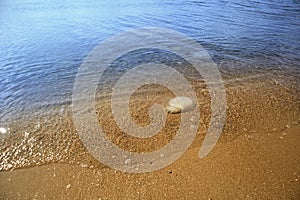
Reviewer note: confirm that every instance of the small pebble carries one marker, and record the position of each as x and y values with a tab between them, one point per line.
127	161
26	134
84	165
68	186
3	130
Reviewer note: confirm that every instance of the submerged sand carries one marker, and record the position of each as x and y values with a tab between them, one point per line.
256	157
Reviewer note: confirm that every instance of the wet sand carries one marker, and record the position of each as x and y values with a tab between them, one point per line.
253	166
256	157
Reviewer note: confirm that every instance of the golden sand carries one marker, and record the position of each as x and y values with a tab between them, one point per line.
257	156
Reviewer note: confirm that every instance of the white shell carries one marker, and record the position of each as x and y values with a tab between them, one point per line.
180	104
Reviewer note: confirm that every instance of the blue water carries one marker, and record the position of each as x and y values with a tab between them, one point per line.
42	43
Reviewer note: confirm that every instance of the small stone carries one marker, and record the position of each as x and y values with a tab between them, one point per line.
288	126
84	165
3	130
127	161
68	186
26	134
284	133
281	137
180	104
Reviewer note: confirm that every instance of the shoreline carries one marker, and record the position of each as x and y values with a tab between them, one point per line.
257	105
256	156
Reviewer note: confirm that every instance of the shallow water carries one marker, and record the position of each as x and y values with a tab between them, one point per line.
42	44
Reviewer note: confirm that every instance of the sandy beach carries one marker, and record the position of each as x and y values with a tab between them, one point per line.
86	86
257	156
253	166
